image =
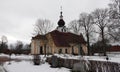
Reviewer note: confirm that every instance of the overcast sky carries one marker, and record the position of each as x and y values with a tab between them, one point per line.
17	17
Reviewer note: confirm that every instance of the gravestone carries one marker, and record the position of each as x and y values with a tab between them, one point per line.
80	67
36	60
54	61
60	62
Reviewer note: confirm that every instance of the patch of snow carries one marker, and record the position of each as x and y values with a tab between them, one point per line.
13	56
27	66
22	56
2	69
113	59
4	55
115	43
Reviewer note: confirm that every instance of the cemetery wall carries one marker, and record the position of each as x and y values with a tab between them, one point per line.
91	66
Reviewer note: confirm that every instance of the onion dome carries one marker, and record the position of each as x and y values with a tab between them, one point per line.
61	22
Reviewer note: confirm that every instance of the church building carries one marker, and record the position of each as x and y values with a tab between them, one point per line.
59	41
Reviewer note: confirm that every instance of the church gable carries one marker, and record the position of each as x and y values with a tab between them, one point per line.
50	41
42	37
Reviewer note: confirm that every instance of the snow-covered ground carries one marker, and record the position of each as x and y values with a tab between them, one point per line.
22	56
112	58
27	66
2	69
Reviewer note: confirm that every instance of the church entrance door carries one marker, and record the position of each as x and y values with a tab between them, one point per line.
41	50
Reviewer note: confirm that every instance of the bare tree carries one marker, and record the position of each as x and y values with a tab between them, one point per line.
115	9
85	26
43	26
86	23
114	31
74	27
3	45
19	47
11	47
114	14
4	39
101	19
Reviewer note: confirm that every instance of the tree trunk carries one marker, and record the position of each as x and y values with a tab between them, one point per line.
103	42
88	44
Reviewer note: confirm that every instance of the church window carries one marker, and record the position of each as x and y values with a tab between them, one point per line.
60	51
66	51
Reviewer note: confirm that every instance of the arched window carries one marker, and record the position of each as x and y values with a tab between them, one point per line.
41	50
66	51
72	50
60	51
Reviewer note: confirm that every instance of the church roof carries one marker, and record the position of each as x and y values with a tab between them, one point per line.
115	48
40	37
62	39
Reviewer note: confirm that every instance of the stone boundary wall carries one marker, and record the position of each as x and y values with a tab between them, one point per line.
94	66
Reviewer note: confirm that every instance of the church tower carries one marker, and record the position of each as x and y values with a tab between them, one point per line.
61	24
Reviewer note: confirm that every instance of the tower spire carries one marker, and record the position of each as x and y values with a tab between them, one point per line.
61	23
61	16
